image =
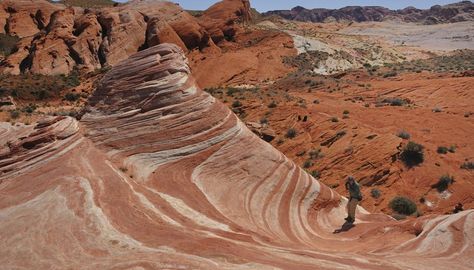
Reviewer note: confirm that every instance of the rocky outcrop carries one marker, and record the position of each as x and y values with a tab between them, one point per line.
224	19
462	11
158	174
62	39
159	31
25	17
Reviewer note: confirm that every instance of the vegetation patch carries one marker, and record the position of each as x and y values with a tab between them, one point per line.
468	165
8	44
291	133
412	154
443	183
37	87
403	205
404	135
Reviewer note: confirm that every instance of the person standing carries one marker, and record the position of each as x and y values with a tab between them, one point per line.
354	198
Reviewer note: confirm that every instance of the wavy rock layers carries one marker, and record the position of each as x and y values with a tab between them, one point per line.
159	175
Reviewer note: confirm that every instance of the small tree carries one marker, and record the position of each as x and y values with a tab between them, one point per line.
403	205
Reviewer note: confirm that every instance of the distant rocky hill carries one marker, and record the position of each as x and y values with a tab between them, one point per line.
457	12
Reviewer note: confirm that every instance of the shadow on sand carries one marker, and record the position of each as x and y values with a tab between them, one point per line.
345	227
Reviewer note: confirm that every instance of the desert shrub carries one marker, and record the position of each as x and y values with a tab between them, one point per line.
14	114
236	104
72	97
375	193
443	183
231	91
468	165
442	150
437	110
334	119
390	74
345	112
307	164
316	174
30	108
291	133
73	79
404	135
341	133
394	101
315	154
412	154
272	104
403	205
301	153
452	149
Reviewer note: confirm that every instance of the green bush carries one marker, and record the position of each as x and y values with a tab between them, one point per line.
443	183
404	135
236	104
72	97
316	174
315	154
291	133
395	101
403	205
375	193
272	104
468	165
442	150
307	164
412	154
15	114
390	74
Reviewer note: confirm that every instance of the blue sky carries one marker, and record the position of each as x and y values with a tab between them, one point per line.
265	5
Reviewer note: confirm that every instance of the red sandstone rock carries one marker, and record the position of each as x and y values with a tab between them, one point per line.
159	31
158	174
224	19
26	17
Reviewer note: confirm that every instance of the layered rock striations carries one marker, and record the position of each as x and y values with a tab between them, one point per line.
157	174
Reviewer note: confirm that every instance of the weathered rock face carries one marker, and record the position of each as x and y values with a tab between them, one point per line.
87	44
159	31
462	11
223	20
51	52
124	34
25	17
158	174
91	39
